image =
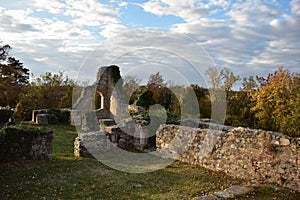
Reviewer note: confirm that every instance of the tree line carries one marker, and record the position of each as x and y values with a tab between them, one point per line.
23	95
271	103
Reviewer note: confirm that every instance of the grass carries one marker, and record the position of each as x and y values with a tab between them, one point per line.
66	177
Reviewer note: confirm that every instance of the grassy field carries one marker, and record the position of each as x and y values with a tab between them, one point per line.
66	177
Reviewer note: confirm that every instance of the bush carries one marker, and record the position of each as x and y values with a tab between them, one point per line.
52	119
5	115
56	112
16	141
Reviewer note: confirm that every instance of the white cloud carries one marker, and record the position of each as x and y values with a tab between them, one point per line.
53	6
188	10
91	12
295	6
220	3
256	36
253	13
111	30
48	34
55	33
123	4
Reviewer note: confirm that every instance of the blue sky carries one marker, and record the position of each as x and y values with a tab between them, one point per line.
251	37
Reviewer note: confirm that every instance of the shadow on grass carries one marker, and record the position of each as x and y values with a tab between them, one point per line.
87	178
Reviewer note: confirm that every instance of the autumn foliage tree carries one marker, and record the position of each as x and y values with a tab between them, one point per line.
277	102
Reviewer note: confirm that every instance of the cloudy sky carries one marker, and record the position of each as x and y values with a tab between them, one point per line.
179	38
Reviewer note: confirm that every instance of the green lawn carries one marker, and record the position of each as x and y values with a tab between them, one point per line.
66	177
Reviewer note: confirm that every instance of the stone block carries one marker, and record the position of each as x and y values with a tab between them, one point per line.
284	141
224	194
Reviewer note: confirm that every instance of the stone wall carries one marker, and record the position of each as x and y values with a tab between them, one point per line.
51	116
22	144
129	135
42	146
256	155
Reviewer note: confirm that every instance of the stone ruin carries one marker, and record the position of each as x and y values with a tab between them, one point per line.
127	133
257	155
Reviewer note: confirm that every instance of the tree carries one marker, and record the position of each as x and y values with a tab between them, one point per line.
223	79
215	77
129	86
221	82
47	91
189	103
13	78
202	95
239	111
249	84
278	102
155	79
239	105
144	98
228	80
4	52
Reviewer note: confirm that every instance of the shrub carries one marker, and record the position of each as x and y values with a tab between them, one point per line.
56	112
52	119
16	141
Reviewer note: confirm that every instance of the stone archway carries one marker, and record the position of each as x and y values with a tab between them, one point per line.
99	100
107	78
101	91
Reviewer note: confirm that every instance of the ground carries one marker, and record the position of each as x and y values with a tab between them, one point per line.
66	177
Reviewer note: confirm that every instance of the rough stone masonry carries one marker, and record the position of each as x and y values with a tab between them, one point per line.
256	155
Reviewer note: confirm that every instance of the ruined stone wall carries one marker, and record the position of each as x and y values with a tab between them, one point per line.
257	155
110	102
26	146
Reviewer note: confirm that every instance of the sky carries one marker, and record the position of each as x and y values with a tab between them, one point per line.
178	38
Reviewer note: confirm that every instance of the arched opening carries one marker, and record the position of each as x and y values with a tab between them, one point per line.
99	100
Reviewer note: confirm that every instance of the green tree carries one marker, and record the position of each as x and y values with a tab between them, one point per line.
202	95
239	105
13	78
239	111
144	98
47	91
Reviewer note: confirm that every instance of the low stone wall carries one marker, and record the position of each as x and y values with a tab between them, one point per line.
51	116
42	146
25	144
89	141
257	155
